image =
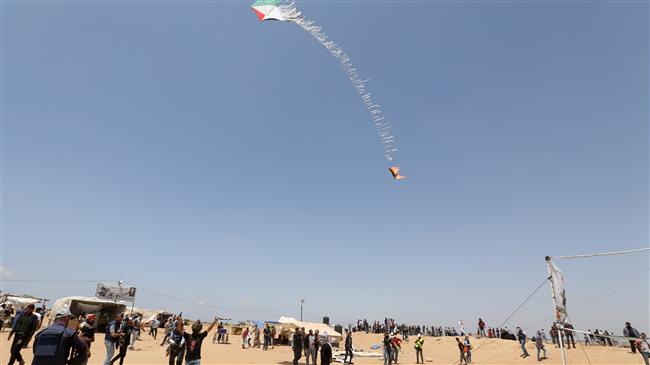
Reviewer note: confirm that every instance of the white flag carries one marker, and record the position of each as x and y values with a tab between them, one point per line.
559	292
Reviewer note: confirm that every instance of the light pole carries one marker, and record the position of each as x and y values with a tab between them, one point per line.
302	302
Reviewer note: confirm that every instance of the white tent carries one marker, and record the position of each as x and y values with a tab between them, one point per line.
19	302
292	323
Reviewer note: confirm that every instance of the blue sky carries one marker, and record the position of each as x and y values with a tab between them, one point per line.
191	149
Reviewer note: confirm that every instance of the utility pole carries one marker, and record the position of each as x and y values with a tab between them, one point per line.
302	303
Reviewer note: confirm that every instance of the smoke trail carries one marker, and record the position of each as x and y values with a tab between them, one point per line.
382	125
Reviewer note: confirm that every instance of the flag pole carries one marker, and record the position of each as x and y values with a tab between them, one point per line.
556	313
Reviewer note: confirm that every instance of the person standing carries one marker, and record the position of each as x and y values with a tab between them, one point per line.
87	333
177	344
568	334
397	347
256	337
316	346
521	337
23	329
267	337
127	329
461	348
310	351
305	344
53	345
644	348
155	323
630	331
169	328
325	350
555	335
419	342
112	337
348	347
244	338
481	328
468	349
539	344
388	350
194	341
135	331
296	345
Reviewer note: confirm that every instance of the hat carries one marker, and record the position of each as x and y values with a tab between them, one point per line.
63	312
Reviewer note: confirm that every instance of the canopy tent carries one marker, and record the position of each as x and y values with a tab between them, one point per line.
105	310
291	324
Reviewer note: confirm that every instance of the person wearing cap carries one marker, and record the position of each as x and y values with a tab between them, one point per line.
23	329
53	344
87	333
419	342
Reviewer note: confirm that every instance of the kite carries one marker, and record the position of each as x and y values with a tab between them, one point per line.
288	12
395	172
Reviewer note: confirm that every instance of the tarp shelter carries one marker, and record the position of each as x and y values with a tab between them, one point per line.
19	302
290	324
104	310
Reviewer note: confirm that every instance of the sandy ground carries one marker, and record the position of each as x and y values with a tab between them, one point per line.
438	350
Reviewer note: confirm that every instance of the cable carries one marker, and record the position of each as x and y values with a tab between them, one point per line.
206	304
517	309
574	341
524	302
55	281
594	296
600	254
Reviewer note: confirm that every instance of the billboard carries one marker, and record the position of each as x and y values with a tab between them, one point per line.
115	293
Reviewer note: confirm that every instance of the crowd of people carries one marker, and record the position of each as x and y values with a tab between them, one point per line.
313	344
123	332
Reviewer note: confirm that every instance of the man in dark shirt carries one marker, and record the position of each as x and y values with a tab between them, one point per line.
24	327
296	345
348	347
193	342
267	337
53	344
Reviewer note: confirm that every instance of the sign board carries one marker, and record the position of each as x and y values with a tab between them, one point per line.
111	292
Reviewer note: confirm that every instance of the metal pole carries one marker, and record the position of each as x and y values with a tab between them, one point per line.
557	322
302	302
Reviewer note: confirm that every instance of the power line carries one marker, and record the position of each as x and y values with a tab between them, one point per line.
207	304
55	281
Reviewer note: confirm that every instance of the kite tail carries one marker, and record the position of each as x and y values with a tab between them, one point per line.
382	125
